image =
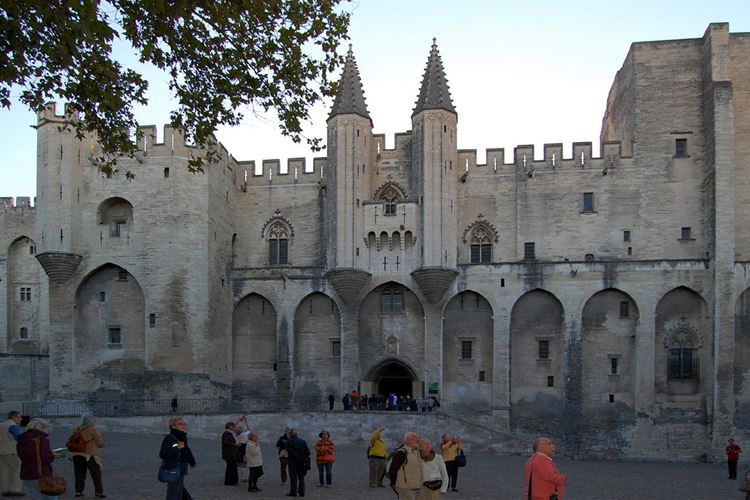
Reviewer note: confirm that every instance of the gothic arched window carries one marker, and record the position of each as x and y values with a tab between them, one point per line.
278	243
683	363
481	245
390	196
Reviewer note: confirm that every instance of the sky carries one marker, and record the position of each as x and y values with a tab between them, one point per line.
520	72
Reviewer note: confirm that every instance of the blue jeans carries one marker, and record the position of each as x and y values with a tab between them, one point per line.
33	489
327	468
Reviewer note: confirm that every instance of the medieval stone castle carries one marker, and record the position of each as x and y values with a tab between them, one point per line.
603	295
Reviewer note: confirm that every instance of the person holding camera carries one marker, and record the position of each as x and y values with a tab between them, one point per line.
542	480
451	446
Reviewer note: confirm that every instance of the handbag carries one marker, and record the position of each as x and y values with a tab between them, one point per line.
433	484
460	459
328	458
48	485
169	474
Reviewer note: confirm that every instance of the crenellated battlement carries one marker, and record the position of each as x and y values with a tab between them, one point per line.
610	154
23	202
299	170
49	114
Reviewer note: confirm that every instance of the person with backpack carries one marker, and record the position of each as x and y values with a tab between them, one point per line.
405	469
85	446
299	464
376	456
36	456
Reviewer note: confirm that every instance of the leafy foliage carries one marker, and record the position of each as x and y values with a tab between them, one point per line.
222	56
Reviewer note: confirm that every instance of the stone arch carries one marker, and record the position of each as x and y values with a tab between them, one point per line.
396	241
109	324
682	350
254	347
536	331
391	325
391	375
609	323
391	192
24	288
742	360
317	346
116	214
468	348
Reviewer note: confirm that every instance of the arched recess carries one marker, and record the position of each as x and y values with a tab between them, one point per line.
468	348
742	361
254	347
536	330
682	350
609	323
317	346
391	325
109	322
391	376
116	215
24	297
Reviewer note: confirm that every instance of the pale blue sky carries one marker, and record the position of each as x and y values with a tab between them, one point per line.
530	72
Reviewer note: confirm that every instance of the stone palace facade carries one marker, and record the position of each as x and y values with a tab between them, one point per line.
603	297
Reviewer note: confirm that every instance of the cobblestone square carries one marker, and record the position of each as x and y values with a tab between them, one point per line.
131	463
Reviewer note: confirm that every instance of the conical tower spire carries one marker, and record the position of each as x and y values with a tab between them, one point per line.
435	93
350	97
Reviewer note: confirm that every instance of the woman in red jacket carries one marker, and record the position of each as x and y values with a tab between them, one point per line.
35	437
324	457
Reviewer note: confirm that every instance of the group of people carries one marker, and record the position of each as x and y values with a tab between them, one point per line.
26	455
379	402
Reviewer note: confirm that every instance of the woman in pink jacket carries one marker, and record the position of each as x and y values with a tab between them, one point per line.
541	477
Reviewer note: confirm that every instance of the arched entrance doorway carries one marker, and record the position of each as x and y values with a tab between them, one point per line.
391	376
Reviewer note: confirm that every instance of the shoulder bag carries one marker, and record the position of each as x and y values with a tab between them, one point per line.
48	485
167	474
461	459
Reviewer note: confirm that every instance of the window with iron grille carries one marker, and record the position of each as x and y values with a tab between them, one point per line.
528	251
115	336
588	202
278	244
544	349
466	346
481	245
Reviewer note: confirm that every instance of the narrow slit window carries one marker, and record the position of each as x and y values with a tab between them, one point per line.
680	148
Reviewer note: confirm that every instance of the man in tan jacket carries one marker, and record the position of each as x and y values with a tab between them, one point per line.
405	470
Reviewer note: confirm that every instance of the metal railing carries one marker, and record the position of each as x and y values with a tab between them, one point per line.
475	415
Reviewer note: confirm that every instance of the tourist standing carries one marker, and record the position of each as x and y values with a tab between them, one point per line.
451	447
230	448
175	452
541	477
434	473
733	455
90	459
173	404
405	470
10	464
331	399
376	455
299	464
324	458
33	447
283	454
254	460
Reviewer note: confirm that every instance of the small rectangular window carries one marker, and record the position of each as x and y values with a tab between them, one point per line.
24	333
624	309
528	251
102	296
481	376
588	202
25	294
626	236
611	398
544	349
686	233
122	275
115	336
32	249
166	172
630	250
398	303
613	366
680	148
335	348
466	349
502	282
152	320
118	230
390	209
550	381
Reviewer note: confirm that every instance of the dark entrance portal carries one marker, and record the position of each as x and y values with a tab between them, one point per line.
394	378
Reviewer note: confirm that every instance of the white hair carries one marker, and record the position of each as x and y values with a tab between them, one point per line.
40	424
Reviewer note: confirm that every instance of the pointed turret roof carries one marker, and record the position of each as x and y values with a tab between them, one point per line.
350	97
435	93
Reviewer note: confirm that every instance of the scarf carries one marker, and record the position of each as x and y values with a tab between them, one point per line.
186	454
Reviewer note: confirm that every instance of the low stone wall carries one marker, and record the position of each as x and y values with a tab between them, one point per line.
24	377
354	428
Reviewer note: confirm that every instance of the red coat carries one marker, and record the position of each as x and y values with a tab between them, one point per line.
733	452
26	449
544	478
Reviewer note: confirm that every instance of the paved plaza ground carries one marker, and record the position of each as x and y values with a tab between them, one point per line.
131	463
